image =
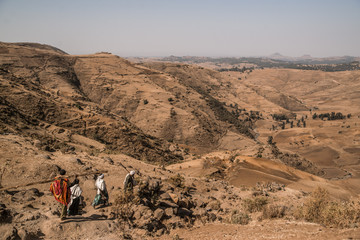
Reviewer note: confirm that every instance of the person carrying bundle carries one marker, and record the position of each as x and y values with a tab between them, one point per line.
61	192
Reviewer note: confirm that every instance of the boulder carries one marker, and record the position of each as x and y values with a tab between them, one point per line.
200	212
109	160
200	203
184	212
169	212
185	203
35	192
145	202
37	143
26	235
175	198
211	217
11	234
44	156
5	214
159	214
154	185
164	196
167	204
78	161
175	222
144	210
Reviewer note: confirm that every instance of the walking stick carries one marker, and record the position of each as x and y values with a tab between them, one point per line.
49	180
124	167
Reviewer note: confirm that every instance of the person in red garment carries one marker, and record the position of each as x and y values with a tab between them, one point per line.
61	190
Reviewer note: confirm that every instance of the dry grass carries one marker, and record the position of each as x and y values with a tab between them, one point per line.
206	164
273	211
215	205
215	162
122	207
239	218
256	204
319	209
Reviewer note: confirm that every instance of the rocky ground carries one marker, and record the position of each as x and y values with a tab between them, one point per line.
168	203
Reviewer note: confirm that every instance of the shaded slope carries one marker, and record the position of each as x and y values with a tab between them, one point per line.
40	98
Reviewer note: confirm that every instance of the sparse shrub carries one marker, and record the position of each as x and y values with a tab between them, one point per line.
239	218
213	162
172	112
77	105
233	157
319	209
122	206
259	153
315	205
146	101
177	181
206	163
273	211
176	237
254	205
215	205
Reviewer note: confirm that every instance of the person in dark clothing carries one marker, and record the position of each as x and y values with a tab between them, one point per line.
73	207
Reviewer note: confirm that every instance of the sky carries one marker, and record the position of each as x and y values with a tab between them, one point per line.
215	28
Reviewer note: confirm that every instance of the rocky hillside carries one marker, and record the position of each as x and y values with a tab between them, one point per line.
42	98
218	155
183	108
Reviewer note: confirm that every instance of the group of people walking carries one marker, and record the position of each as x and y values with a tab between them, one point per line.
69	194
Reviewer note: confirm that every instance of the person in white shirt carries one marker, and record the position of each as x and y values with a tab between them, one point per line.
102	195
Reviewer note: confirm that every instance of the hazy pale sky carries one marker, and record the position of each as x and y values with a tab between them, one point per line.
186	27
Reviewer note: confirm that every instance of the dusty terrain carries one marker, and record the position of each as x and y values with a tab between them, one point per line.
93	113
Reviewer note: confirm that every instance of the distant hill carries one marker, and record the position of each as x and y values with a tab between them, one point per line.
308	59
40	46
306	62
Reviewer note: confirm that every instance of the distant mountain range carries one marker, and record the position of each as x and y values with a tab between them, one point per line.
308	59
305	62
